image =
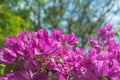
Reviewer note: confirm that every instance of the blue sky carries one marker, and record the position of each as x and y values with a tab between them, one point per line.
115	18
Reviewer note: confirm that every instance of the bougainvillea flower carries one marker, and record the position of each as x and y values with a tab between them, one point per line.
40	56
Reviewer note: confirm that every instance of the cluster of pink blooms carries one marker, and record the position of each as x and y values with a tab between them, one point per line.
39	56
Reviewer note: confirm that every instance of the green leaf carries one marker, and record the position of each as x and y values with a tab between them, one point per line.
2	66
53	77
104	78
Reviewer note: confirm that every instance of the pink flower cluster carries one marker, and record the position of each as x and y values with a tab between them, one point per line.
39	56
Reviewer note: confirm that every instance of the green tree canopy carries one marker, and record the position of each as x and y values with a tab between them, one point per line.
10	24
83	17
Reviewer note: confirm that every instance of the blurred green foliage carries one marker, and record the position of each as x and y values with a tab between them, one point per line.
10	24
2	66
83	17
